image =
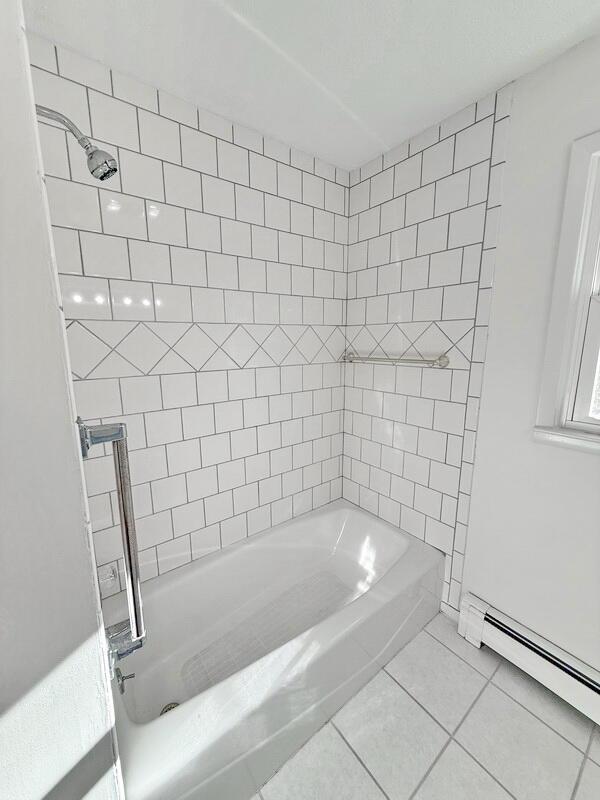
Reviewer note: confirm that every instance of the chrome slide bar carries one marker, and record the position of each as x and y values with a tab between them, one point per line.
350	356
126	636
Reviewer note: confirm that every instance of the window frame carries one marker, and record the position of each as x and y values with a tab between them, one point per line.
589	371
576	285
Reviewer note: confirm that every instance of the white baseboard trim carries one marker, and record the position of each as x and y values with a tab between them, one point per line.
564	674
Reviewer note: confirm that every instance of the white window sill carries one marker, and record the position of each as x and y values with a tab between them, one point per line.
568	437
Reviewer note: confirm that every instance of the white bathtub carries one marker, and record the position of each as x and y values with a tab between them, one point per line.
261	644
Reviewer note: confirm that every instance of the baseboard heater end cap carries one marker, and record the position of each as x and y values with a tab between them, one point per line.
472	618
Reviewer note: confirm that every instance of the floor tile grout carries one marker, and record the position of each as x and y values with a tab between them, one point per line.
359	759
414	699
584	761
452	739
585	757
464	660
430	768
491	680
470	708
539	719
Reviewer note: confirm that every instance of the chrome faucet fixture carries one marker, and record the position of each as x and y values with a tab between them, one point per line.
122	678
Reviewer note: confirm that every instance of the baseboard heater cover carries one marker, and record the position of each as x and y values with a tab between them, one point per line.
568	677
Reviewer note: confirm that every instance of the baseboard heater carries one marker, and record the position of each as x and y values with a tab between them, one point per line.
568	677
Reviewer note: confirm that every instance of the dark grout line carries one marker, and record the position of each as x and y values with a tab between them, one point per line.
359	759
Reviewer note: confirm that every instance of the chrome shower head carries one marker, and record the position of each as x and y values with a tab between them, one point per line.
100	163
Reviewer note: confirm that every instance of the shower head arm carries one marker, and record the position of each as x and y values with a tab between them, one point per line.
101	164
50	113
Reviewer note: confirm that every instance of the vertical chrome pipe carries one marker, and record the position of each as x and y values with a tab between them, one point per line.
126	636
128	534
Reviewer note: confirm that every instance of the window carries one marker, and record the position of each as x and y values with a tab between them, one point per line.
569	409
586	403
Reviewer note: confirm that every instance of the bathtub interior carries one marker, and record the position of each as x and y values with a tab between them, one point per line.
213	618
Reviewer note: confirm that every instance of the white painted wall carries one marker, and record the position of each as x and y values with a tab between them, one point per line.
56	717
534	535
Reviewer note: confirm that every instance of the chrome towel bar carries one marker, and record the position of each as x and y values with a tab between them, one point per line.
350	356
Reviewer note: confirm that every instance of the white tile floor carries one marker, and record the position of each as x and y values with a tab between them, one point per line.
445	721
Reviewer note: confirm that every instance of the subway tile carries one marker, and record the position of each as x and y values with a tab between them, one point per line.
141	175
474	144
113	121
67	250
218	196
163	427
174	553
236	237
249	205
42	53
205	541
178	390
232	162
460	301
215	449
55	92
218	507
154	529
252	275
277	213
452	193
203	231
208	305
183	187
123	215
140	94
132	300
149	261
159	137
141	394
188	266
215	125
230	475
407	175
73	205
104	256
263	173
188	518
248	138
172	303
198	151
97	398
55	157
166	224
233	530
83	70
280	425
177	109
85	298
202	483
263	243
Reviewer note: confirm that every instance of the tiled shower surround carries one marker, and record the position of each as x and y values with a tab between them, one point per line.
422	239
211	287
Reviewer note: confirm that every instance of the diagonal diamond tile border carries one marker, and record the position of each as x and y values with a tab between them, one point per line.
155	348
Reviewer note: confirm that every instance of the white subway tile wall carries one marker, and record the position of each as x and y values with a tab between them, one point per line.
421	249
203	307
211	287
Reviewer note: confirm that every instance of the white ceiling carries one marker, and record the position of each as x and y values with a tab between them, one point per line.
342	79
